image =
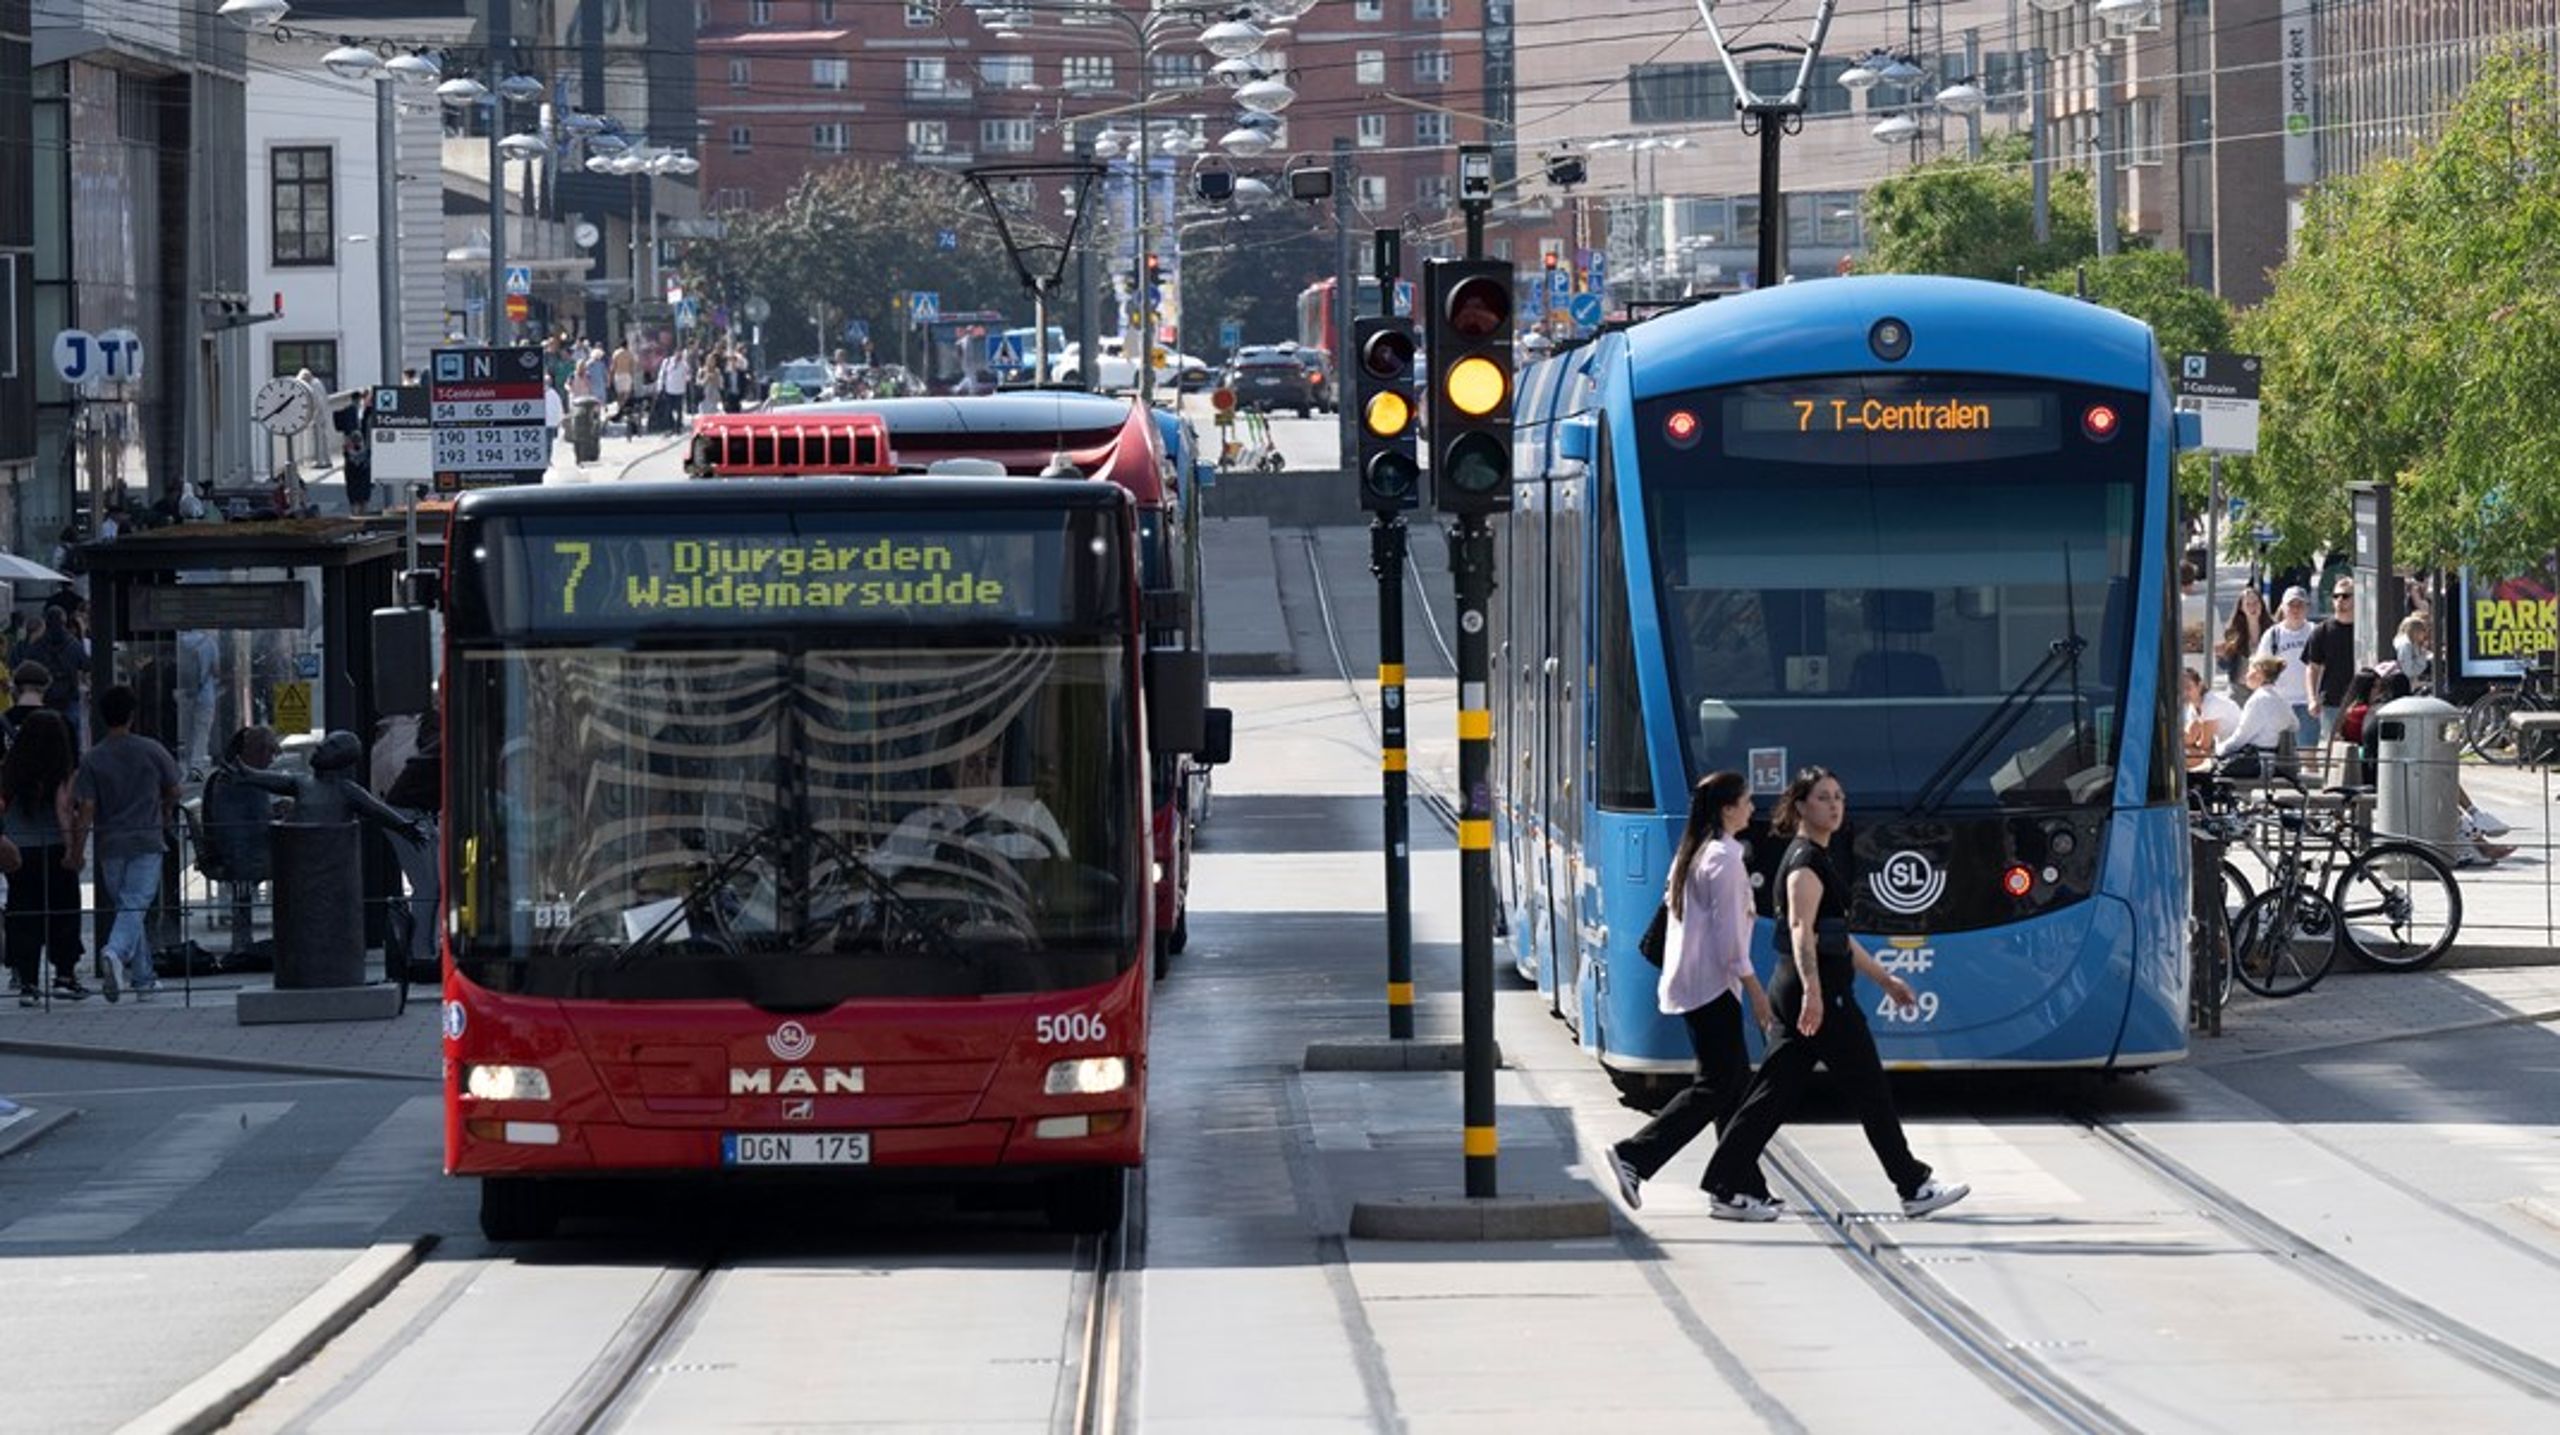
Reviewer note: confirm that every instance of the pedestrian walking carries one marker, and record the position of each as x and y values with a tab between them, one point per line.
1706	975
44	890
625	371
1822	1020
127	790
2287	639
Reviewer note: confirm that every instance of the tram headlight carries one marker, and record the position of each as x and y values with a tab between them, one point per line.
506	1083
1086	1076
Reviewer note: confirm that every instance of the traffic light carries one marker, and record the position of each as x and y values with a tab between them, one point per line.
1469	325
1382	388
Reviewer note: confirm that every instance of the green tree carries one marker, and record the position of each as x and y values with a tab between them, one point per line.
1976	218
2414	338
845	242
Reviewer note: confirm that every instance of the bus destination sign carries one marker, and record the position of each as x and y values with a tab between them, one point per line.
907	576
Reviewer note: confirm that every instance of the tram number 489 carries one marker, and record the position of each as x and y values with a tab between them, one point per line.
1924	1009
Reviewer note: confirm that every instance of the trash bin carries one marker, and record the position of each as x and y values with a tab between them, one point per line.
586	429
2416	777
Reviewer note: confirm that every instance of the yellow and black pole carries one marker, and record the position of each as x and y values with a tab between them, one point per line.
1470	340
1390	483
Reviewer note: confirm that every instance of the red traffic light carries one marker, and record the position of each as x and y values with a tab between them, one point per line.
1388	354
1480	308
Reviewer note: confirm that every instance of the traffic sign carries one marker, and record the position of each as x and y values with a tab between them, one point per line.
1404	298
519	279
925	305
293	708
688	313
1231	335
857	331
1586	310
758	310
1595	277
1559	287
1006	355
1223	400
488	414
946	239
402	433
519	307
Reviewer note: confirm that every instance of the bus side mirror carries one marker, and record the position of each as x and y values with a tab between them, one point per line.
1576	437
1219	742
404	660
1177	682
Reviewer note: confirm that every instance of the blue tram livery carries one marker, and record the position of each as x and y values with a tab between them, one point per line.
1919	531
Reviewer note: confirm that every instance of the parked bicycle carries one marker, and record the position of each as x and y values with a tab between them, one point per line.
2393	903
2488	724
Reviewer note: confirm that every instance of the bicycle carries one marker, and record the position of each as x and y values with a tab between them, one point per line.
2393	903
2488	724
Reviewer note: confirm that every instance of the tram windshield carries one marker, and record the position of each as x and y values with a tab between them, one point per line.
1925	584
793	824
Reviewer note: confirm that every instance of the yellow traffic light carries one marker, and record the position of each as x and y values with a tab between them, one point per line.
1389	414
1475	385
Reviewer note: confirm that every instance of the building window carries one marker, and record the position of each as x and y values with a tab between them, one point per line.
741	74
1675	94
1431	191
1087	72
1431	9
1178	70
833	74
2141	142
927	77
1431	131
1835	218
1006	72
299	188
1373	191
1373	131
922	15
1005	136
1431	67
835	138
1369	67
1368	9
742	140
928	136
320	356
759	12
827	11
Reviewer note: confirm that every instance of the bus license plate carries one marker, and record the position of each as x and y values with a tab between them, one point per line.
795	1148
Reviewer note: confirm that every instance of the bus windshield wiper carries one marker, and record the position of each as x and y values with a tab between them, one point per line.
885	889
712	880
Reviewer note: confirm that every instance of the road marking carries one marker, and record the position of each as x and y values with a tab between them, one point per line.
172	1159
371	1181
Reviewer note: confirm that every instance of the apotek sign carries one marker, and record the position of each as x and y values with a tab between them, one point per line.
2297	57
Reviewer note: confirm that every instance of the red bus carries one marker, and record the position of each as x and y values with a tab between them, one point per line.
763	853
1026	434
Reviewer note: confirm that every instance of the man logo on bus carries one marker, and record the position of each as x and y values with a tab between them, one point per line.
791	1041
1907	884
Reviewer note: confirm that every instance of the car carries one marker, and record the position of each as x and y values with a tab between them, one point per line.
798	381
1116	372
1267	378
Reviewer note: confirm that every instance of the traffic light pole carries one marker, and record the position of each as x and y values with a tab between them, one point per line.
1387	546
1471	556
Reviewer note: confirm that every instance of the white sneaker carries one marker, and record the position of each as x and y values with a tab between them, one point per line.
1630	1185
1934	1195
2489	823
1742	1208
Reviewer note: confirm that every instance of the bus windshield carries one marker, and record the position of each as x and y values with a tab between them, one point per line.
793	823
1924	583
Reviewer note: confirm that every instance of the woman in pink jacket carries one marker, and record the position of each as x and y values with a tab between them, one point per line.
1706	975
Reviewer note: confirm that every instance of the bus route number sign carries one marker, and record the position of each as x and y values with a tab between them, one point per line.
906	578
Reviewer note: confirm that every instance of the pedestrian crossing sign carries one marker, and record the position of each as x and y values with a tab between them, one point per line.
1007	355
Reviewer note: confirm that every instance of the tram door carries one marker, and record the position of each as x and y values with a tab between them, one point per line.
1566	754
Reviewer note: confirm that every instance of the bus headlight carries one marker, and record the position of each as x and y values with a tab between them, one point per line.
507	1083
1086	1076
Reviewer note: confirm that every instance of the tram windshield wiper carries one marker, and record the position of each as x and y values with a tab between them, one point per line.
1996	725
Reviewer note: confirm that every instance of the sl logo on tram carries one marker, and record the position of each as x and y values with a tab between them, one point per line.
1908	883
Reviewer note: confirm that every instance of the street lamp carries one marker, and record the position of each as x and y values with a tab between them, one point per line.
253	14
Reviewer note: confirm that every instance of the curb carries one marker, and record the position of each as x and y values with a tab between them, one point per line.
1411	1054
138	1056
28	1129
209	1401
1499	1218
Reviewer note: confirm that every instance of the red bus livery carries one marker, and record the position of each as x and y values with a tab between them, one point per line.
789	873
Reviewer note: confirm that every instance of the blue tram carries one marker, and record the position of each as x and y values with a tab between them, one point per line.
1919	531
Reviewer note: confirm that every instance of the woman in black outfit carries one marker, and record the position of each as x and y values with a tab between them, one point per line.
1815	990
44	895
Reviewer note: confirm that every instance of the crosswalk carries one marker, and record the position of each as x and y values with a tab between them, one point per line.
200	1159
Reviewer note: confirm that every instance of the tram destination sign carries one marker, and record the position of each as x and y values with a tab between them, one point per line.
1836	424
487	415
947	572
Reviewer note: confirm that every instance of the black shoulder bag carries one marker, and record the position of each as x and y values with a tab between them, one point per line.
1656	932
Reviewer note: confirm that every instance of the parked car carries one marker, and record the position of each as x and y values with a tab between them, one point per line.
1267	378
1116	371
799	381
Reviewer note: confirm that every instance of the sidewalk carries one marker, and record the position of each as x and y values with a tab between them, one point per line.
199	1027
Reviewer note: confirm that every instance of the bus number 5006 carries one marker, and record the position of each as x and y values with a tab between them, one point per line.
1072	1026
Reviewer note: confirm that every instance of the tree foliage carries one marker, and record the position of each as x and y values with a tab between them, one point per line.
1976	218
846	240
2414	338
